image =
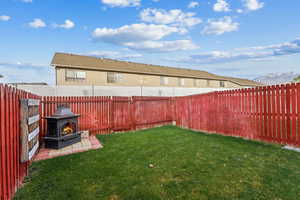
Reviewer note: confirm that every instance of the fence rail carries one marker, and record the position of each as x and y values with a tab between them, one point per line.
269	113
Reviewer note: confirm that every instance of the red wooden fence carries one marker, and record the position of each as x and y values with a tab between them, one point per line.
109	114
12	172
94	111
150	111
269	113
98	115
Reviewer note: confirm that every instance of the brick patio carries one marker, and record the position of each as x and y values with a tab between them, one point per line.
87	143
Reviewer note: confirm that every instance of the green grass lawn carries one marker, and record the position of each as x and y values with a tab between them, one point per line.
187	165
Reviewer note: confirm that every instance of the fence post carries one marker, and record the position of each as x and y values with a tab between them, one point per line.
111	114
288	113
132	113
173	110
189	111
298	113
293	114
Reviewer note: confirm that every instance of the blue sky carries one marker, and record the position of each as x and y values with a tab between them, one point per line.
242	38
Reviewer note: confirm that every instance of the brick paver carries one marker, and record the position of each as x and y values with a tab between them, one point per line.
87	143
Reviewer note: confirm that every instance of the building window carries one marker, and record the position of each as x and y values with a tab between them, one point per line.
73	75
113	77
207	83
181	82
222	84
164	80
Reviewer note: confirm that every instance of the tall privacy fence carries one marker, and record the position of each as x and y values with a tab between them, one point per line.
12	171
111	114
269	114
98	115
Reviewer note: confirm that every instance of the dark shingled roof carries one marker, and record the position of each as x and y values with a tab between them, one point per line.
94	63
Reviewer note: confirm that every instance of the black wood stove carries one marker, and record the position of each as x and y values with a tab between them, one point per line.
62	128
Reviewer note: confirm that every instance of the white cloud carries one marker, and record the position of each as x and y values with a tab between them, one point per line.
173	17
193	4
27	1
26	72
221	6
286	45
133	33
114	54
67	25
121	3
252	5
239	11
286	48
220	26
143	37
222	56
163	46
37	23
4	17
23	64
258	53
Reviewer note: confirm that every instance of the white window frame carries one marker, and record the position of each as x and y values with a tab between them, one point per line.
181	81
115	77
222	84
164	80
75	75
81	75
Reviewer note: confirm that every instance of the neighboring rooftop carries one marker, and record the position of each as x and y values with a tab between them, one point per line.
94	63
243	82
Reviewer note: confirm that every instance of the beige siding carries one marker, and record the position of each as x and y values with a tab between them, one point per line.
201	83
214	84
100	78
232	85
188	82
